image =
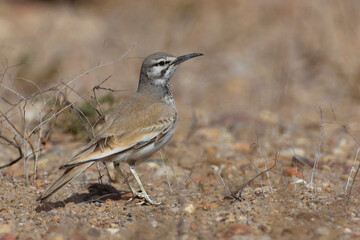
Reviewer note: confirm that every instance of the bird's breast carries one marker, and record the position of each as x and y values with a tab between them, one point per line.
169	100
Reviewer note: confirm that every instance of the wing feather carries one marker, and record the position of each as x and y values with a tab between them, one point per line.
125	134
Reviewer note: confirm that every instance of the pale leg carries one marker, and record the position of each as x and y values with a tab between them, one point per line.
145	195
119	172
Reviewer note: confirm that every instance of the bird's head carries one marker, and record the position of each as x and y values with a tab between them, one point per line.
158	68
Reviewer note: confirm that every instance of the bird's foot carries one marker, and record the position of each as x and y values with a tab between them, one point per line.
145	197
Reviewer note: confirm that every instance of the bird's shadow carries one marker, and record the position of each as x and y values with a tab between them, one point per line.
96	193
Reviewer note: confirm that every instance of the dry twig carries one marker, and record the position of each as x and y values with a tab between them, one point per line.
237	194
28	136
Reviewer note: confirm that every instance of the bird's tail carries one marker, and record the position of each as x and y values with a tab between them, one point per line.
68	175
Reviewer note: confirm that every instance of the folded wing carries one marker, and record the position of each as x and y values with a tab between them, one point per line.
123	132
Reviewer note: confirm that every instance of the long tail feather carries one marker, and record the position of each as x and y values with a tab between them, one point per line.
68	175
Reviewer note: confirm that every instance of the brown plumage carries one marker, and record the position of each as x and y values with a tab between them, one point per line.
140	126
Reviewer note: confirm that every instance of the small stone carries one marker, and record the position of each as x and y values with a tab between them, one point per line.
289	153
219	218
230	218
190	208
154	223
323	231
265	228
113	231
5	228
4	210
174	209
258	190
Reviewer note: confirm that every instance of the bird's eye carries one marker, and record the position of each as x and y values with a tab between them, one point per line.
161	63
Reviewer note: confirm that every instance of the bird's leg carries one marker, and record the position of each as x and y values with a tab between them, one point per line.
119	172
107	171
99	172
144	194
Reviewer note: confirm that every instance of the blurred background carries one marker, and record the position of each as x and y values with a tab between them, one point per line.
266	63
282	74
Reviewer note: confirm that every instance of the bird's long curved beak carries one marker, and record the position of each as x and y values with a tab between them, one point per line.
183	58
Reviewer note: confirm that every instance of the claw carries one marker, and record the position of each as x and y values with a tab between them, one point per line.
141	203
152	202
141	194
145	197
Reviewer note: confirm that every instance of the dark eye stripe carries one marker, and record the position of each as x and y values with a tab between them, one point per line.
161	63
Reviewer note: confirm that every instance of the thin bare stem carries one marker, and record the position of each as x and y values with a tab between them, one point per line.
237	194
315	172
166	174
348	191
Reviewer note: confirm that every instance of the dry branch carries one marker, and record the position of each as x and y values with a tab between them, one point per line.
237	194
28	136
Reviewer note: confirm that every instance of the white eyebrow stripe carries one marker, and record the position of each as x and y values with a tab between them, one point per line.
160	81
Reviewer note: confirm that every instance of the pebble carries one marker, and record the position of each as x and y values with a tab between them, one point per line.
265	228
290	152
58	237
154	223
258	190
113	231
323	231
174	209
230	218
5	228
189	208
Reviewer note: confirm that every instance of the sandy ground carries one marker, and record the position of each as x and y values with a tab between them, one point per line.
277	86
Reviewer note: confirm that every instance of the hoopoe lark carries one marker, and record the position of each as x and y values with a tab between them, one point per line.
139	127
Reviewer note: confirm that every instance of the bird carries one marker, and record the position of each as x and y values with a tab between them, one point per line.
140	126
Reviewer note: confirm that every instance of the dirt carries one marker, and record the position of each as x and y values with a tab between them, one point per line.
195	203
272	90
